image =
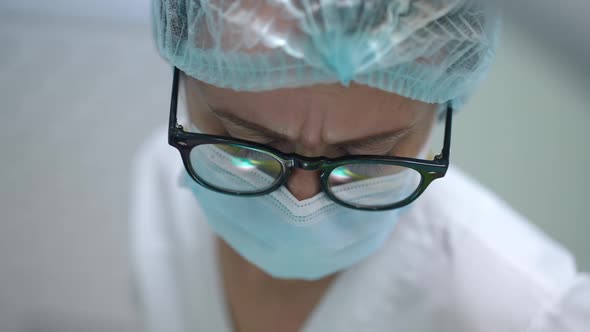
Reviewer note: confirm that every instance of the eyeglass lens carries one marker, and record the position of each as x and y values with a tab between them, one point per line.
239	169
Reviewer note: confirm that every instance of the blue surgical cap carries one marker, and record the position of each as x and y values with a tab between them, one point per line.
434	51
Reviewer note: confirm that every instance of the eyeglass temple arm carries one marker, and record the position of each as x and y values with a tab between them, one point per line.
446	152
174	100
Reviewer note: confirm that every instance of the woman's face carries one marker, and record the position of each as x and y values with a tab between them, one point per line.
321	120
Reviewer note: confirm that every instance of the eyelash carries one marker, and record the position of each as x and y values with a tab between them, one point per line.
393	146
259	140
256	139
351	153
375	150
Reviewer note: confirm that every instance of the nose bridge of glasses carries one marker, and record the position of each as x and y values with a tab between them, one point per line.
306	163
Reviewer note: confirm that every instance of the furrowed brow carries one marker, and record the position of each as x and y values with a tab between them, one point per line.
390	136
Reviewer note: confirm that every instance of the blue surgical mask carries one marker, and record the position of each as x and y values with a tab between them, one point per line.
293	239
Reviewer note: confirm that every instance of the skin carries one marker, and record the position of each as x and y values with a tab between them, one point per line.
322	120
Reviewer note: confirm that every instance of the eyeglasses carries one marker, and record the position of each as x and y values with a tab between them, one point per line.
243	168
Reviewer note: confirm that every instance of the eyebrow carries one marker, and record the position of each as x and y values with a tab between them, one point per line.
358	142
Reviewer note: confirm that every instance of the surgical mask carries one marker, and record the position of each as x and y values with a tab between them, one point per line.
293	239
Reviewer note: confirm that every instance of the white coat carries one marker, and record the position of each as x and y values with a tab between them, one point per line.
459	260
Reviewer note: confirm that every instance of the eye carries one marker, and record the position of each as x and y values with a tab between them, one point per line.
377	150
253	137
248	135
383	146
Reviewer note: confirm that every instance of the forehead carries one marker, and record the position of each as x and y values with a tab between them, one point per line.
331	110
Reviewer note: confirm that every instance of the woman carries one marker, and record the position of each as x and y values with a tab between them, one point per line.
304	199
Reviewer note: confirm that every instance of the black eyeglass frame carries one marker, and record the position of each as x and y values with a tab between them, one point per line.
429	170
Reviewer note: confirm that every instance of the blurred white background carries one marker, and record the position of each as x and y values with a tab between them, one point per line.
81	86
124	10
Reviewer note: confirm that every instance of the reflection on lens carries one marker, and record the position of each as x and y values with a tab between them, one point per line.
251	159
235	168
345	175
373	185
244	163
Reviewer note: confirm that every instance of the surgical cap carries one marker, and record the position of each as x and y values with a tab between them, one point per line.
430	50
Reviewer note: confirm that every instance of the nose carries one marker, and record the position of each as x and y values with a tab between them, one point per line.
304	184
